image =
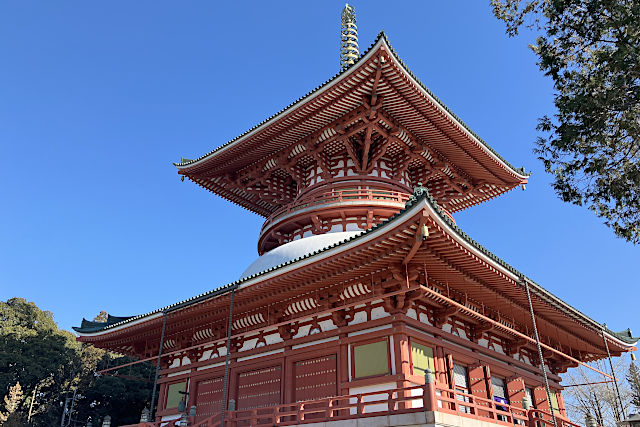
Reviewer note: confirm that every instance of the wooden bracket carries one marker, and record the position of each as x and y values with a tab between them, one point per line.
443	315
420	237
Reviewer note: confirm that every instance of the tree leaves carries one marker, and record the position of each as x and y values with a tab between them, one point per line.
591	50
35	353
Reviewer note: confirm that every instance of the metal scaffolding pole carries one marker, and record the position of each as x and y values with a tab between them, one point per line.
542	367
227	358
613	373
155	379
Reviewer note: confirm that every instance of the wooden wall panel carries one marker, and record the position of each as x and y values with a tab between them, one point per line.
516	391
259	388
315	378
478	382
209	397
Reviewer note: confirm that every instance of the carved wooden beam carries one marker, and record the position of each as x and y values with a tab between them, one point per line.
382	149
367	145
478	330
420	237
352	154
341	318
321	161
440	160
376	82
442	316
417	111
402	167
514	347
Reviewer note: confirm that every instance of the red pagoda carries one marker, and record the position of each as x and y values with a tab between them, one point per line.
367	304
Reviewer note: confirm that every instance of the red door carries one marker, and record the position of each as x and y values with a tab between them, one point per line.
208	397
315	378
259	388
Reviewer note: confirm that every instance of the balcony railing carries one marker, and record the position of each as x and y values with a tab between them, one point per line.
338	196
382	403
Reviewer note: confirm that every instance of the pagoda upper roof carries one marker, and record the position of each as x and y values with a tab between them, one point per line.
505	280
407	100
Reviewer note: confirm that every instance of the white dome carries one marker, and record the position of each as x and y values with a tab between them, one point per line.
296	249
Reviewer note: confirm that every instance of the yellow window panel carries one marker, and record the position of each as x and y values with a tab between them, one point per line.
554	400
371	359
422	358
173	394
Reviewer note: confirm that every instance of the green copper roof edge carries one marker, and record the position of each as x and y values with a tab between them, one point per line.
624	336
92	325
381	35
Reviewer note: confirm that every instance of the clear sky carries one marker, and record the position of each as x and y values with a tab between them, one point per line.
97	99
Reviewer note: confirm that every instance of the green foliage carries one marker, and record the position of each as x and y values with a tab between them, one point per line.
33	351
123	396
41	357
24	318
591	50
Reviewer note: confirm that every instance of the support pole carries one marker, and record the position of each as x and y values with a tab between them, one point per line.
613	373
544	371
155	379
33	398
227	358
73	402
64	411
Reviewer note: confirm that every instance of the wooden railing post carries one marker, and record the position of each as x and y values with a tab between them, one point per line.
341	407
429	402
532	419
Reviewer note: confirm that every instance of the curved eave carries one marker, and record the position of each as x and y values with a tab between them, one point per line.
518	175
625	342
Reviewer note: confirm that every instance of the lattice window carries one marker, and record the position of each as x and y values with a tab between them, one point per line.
499	388
460	376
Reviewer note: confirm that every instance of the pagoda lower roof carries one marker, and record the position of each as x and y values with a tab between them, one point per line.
408	102
447	251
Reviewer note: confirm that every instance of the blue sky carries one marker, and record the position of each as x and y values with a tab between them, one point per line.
97	99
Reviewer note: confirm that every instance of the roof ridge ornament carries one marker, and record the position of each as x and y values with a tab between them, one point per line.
349	50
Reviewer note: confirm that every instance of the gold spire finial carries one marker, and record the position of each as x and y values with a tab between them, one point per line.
349	50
